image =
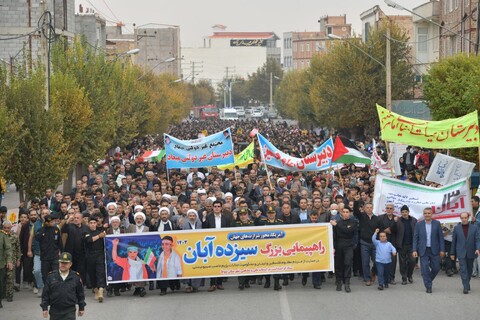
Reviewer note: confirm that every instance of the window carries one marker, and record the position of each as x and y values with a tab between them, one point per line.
329	30
308	47
367	31
451	5
422	39
317	46
301	47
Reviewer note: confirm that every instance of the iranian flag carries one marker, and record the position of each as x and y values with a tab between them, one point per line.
345	151
152	155
150	258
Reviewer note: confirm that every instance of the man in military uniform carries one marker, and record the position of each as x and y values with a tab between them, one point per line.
63	290
242	220
6	261
50	241
16	254
271	219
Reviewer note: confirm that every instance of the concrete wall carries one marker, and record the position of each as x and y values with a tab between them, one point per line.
17	18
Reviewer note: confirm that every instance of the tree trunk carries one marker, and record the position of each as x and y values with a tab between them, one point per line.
67	183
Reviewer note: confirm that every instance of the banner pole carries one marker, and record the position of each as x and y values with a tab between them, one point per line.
341	180
388	158
264	162
168	176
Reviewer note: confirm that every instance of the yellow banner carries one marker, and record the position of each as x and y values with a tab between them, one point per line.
219	252
445	134
242	160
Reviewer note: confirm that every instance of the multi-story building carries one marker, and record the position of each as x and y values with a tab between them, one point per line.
425	39
461	17
93	27
300	47
373	17
227	54
19	21
159	47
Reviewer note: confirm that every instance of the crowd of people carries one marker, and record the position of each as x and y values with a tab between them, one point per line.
123	195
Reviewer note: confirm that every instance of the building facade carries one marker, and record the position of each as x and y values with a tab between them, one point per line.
300	47
93	27
462	18
425	40
372	19
229	54
19	30
159	47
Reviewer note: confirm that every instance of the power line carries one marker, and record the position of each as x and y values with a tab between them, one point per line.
108	7
20	36
104	15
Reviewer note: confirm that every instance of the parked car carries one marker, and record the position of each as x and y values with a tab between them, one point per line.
257	113
240	111
272	114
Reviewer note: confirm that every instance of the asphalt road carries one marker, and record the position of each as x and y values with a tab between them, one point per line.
292	302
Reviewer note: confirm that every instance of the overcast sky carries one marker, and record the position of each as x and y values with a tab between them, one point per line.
196	17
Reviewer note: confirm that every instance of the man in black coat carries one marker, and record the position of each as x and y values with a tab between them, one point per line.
216	220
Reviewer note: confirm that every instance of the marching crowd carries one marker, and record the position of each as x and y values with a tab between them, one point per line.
62	232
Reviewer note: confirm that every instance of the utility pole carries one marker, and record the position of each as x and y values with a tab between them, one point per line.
388	68
229	87
477	38
271	92
193	72
45	57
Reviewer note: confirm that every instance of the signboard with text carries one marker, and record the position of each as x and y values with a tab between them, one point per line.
222	252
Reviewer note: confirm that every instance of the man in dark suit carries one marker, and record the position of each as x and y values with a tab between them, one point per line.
429	245
216	221
465	245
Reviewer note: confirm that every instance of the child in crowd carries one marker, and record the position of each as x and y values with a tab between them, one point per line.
383	258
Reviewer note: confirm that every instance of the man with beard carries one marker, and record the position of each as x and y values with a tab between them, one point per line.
95	254
74	230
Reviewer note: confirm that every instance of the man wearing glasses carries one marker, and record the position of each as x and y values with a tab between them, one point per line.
216	221
387	221
429	245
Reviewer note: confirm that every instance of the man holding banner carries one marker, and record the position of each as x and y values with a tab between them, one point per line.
216	221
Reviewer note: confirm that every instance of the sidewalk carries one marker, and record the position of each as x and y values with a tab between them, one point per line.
11	200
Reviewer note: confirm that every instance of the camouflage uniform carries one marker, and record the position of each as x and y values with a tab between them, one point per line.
10	274
5	257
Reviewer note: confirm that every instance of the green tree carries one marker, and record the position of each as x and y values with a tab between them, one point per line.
9	125
41	157
451	89
168	102
95	75
203	93
292	98
347	83
259	81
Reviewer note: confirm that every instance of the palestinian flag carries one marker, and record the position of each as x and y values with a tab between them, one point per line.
149	258
345	151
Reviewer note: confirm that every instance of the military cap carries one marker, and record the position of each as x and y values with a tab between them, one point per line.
65	257
270	209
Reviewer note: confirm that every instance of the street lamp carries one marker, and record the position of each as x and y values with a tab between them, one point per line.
171	59
386	66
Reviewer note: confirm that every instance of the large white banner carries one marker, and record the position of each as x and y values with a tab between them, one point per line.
447	202
446	169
